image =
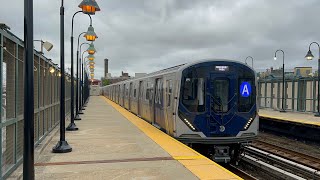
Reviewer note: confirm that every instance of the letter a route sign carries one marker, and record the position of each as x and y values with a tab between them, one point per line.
245	89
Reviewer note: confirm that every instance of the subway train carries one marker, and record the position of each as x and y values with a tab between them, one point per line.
208	104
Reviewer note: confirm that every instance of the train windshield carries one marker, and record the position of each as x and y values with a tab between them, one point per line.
220	94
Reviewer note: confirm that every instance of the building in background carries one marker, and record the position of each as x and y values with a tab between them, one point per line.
303	71
106	68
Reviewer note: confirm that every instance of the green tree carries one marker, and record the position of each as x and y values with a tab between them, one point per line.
105	82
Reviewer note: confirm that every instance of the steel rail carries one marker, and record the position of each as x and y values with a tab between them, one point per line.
278	165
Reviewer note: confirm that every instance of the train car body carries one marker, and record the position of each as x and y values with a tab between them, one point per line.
211	103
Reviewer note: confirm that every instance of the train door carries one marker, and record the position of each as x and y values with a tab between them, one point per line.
130	96
159	118
140	98
221	98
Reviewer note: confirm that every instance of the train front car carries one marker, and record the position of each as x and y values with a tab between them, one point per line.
217	108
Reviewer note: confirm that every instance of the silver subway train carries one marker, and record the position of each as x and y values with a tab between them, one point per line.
209	104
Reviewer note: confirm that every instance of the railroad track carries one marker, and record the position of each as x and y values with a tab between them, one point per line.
295	156
280	167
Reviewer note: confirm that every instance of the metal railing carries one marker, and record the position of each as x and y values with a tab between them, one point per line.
46	100
300	94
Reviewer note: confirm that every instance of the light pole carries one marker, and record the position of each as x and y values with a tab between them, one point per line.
88	7
28	114
77	82
90	58
251	60
91	50
309	56
72	126
80	77
283	83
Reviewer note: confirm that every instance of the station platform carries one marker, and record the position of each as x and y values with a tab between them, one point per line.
293	117
112	143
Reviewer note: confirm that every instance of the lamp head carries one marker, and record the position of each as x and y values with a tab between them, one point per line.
309	56
91	63
51	70
48	46
91	49
275	58
89	6
90	34
91	67
90	57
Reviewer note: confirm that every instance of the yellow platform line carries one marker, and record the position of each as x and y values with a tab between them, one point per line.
198	164
290	120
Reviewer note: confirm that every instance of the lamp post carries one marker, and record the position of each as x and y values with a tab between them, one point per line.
62	146
28	114
251	60
72	126
283	83
80	77
77	82
90	58
309	56
88	7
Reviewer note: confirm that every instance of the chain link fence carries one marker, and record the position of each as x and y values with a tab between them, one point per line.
46	100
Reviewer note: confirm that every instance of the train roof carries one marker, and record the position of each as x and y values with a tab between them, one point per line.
180	67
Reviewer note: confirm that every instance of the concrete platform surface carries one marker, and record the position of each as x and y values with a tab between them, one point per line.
107	146
296	117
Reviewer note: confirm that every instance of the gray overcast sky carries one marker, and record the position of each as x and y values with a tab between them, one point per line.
147	35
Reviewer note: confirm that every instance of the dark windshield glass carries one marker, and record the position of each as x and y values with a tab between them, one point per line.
193	90
221	94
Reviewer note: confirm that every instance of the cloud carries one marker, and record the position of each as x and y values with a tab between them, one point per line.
145	36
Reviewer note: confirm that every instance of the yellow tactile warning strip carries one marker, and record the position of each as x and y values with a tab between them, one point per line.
198	164
290	120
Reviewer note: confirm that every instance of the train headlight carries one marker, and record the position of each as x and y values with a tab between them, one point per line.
247	125
187	122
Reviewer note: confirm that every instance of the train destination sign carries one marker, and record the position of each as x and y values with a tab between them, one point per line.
245	89
222	68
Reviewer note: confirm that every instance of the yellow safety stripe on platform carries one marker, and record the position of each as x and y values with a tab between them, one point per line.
198	164
290	120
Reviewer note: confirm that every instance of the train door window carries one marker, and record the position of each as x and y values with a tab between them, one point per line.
220	94
159	91
135	92
147	91
156	98
193	94
246	98
127	91
151	91
169	92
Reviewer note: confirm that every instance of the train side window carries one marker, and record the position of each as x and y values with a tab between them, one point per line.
134	92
